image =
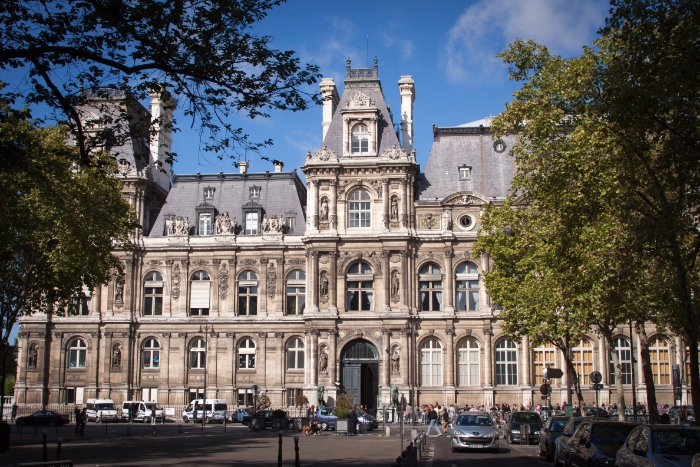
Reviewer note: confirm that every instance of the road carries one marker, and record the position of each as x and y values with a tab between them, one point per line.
509	456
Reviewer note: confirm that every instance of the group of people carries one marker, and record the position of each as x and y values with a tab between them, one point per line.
80	420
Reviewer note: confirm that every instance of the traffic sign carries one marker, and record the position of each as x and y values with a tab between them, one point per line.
544	398
553	373
596	386
545	389
596	377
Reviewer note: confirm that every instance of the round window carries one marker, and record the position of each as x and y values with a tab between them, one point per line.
465	222
499	146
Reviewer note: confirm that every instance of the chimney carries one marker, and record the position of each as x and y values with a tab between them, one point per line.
279	165
243	166
330	97
408	95
161	140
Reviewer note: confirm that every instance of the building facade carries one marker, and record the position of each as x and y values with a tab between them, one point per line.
358	279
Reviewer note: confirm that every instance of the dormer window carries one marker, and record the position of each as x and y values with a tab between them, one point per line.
465	172
360	139
205	224
255	192
209	193
251	223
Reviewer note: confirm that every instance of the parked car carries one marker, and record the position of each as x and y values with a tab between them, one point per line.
659	446
596	412
474	430
549	433
595	443
101	409
43	418
513	427
268	416
238	414
561	443
217	413
366	420
326	420
143	411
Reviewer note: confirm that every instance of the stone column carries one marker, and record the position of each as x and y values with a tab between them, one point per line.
312	205
603	358
333	208
313	361
526	361
386	367
333	283
448	296
262	359
404	362
332	356
449	359
385	204
404	303
279	355
386	281
488	370
403	215
312	297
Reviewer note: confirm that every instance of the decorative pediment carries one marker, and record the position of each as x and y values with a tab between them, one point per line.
465	198
360	101
325	155
394	153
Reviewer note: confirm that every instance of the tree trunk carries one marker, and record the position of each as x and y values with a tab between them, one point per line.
694	370
618	378
648	373
572	379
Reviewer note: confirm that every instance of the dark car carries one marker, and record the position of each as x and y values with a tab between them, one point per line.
268	416
326	420
595	443
659	446
43	417
561	445
549	433
514	427
596	412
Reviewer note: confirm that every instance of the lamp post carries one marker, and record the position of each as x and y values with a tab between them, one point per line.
206	329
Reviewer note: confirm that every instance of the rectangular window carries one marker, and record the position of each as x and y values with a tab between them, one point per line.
245	397
291	396
196	394
199	298
75	395
465	173
149	394
291	222
251	223
205	224
77	358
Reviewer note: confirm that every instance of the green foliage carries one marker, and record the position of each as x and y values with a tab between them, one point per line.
344	405
301	401
262	402
10	385
203	53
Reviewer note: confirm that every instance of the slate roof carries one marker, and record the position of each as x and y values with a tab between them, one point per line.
279	192
473	146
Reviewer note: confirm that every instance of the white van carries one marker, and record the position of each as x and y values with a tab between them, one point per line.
103	409
217	410
143	411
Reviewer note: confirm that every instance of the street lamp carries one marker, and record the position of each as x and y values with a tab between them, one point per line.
206	329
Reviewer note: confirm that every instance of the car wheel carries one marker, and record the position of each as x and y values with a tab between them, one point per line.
52	423
324	426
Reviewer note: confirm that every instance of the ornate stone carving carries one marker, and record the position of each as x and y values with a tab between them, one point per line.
272	225
323	361
324	154
200	262
426	222
154	263
342	186
224	224
395	284
360	101
296	261
395	360
223	282
250	261
377	185
314	221
394	153
334	221
33	355
175	286
58	334
324	209
324	284
117	355
446	221
271	280
165	334
178	226
394	210
119	291
385	221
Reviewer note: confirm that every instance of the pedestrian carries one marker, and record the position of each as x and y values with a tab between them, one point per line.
311	413
433	417
83	421
76	416
14	411
452	412
445	417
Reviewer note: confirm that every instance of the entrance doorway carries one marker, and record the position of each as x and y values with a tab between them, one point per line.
359	362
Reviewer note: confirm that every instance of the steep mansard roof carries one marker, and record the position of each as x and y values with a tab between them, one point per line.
280	192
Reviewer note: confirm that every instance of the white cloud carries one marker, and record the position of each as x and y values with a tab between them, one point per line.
305	140
488	26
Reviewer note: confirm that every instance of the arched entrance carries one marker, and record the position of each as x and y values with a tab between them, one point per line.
359	363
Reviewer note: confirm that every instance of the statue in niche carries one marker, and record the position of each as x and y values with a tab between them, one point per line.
117	356
33	356
324	284
323	360
395	283
395	361
324	209
265	224
446	221
394	209
394	396
119	291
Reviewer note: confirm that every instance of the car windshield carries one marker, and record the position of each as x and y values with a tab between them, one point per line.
678	442
104	406
526	418
558	424
474	420
611	433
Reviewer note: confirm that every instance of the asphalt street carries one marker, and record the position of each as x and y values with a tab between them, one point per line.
509	456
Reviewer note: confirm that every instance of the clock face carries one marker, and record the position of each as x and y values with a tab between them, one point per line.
499	146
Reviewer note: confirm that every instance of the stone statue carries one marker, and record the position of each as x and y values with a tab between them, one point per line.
324	209
324	284
395	284
324	361
446	221
119	291
394	209
394	396
320	391
265	224
395	361
117	356
224	224
33	354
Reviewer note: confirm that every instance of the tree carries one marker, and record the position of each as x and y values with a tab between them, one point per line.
59	221
200	52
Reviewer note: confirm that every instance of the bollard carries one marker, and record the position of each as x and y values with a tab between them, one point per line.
387	431
154	429
128	431
279	451
179	428
398	461
414	433
45	455
101	420
58	448
296	452
36	429
225	420
105	428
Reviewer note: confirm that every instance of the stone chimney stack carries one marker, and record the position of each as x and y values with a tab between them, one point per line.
408	95
243	166
329	93
161	140
279	165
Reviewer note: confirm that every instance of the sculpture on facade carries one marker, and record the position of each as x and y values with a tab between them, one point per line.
323	360
117	356
33	356
272	224
395	361
119	290
179	225
394	209
324	284
224	224
446	221
324	209
320	391
265	224
395	284
394	396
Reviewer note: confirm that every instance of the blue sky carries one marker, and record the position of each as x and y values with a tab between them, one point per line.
448	47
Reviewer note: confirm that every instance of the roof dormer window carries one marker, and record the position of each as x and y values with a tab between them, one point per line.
254	192
360	139
209	193
465	172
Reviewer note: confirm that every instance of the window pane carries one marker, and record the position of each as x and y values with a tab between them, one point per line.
300	359
242	305
291	305
437	301
473	300
461	301
253	310
158	306
147	306
353	300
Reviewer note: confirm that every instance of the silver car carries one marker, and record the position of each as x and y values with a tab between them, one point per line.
474	430
659	446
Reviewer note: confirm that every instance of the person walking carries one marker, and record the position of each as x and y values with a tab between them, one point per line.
14	411
76	416
445	418
83	421
433	417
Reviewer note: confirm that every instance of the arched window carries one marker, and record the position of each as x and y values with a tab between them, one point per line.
467	287
506	363
198	354
296	292
624	355
543	357
153	294
360	281
430	284
582	359
246	354
660	362
468	362
248	294
77	354
151	354
295	354
360	139
359	209
431	362
199	294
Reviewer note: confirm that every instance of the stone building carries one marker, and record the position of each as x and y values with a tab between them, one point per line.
359	278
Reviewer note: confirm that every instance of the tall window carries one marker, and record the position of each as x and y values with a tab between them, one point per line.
205	224
430	285
582	358
624	355
468	362
153	294
296	292
360	139
467	287
431	362
248	294
251	223
660	363
295	355
506	363
292	395
687	361
151	354
360	281
543	357
198	354
359	209
246	354
199	294
77	354
245	397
